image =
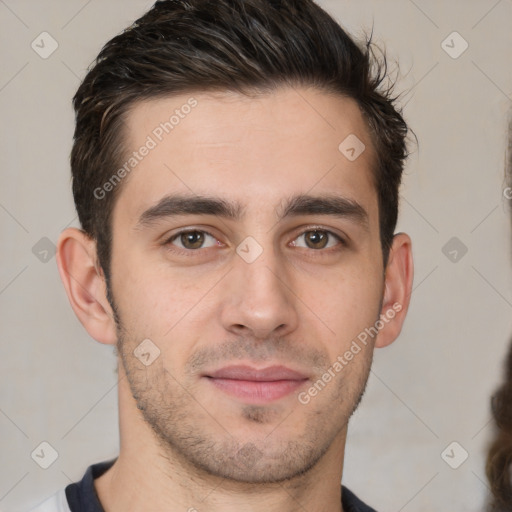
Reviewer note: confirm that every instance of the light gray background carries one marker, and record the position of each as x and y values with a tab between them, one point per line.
430	388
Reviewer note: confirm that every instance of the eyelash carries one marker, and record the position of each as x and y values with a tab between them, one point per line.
191	252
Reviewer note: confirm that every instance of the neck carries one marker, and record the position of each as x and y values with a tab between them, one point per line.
149	476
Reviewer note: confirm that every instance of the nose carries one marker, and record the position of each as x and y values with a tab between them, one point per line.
259	300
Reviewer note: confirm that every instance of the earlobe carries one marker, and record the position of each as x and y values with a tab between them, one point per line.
85	284
397	290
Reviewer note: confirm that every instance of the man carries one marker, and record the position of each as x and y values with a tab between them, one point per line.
236	173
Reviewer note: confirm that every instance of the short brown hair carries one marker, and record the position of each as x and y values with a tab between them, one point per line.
181	46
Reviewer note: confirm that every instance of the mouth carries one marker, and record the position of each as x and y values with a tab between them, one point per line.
257	386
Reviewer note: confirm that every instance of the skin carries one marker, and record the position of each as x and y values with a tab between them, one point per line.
185	443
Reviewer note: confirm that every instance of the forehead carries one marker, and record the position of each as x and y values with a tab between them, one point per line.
252	149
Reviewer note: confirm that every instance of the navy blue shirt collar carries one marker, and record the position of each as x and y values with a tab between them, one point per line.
82	495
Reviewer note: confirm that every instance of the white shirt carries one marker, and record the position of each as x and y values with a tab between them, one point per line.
56	503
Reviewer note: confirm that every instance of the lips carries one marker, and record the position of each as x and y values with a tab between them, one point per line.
269	374
252	385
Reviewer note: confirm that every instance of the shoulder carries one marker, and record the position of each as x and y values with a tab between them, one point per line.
56	503
77	496
351	503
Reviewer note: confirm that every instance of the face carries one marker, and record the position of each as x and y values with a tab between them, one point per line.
246	249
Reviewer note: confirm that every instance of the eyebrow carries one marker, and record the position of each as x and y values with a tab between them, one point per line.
302	204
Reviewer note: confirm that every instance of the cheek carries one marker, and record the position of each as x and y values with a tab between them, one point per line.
151	296
346	303
166	307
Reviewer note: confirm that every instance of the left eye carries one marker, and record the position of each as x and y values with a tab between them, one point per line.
192	239
317	239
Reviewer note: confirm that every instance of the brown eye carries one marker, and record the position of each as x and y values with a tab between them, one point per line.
317	239
191	240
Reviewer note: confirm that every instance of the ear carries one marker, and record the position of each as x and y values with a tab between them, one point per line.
85	284
397	290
